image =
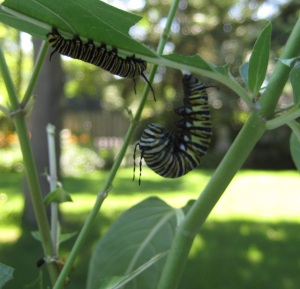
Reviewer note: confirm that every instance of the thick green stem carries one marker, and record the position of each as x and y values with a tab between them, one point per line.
30	168
186	232
233	160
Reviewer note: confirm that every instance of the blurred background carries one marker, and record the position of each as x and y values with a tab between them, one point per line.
88	106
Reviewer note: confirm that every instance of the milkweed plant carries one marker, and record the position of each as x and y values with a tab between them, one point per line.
150	253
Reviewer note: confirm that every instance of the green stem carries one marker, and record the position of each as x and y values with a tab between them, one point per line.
36	72
30	168
80	240
53	185
108	184
233	160
160	48
14	101
186	232
283	119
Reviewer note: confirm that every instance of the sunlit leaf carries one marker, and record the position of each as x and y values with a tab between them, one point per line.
259	60
91	19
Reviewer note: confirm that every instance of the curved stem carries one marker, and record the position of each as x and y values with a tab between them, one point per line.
36	71
283	119
233	160
108	184
30	168
54	224
188	229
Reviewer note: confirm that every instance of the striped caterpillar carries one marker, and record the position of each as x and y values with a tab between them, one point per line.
172	154
109	60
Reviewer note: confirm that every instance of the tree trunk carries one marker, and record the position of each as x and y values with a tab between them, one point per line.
47	109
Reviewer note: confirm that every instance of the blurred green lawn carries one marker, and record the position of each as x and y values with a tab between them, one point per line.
251	239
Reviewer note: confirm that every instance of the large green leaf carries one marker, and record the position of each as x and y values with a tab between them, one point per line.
259	60
91	19
117	282
6	274
142	232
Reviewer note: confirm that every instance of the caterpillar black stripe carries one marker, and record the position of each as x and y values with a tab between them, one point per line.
129	67
172	154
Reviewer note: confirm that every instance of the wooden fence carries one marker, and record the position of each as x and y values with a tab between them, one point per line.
96	124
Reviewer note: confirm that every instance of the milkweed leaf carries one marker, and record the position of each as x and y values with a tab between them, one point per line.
91	19
117	282
36	235
6	274
61	237
142	232
65	237
224	69
59	195
259	59
195	60
288	62
244	68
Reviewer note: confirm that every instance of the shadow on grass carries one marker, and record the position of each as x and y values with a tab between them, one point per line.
245	255
233	254
227	255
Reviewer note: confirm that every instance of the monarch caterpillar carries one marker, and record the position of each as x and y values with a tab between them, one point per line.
129	67
172	154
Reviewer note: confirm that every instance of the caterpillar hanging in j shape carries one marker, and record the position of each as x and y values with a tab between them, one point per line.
172	154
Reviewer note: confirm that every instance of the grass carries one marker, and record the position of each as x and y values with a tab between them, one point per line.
251	239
